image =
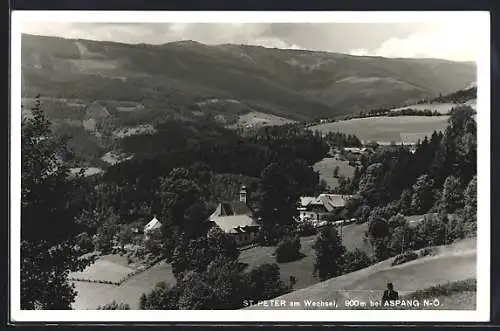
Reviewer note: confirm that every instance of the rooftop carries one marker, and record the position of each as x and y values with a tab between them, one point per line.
234	224
329	201
231	209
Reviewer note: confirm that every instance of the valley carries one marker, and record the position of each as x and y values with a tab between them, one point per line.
213	174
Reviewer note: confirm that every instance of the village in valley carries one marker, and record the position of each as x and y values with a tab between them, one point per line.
147	184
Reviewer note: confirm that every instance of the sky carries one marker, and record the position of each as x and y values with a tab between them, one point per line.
454	41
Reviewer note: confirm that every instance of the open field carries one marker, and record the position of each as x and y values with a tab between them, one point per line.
326	167
443	108
385	129
455	262
103	270
91	295
258	119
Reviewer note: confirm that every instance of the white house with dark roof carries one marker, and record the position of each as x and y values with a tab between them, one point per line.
153	226
236	219
315	208
355	150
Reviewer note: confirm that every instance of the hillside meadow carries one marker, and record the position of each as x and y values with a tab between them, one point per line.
326	167
442	108
385	129
452	263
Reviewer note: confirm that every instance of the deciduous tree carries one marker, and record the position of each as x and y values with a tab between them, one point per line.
423	194
451	196
48	230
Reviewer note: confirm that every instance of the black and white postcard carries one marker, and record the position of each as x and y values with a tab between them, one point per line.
250	166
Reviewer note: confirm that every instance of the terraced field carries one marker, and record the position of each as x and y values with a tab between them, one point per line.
92	295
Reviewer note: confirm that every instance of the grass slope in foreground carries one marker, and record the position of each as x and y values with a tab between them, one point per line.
452	263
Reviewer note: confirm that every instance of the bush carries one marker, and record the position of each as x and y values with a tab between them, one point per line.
264	283
362	214
114	306
84	241
405	257
381	247
427	251
288	250
161	297
306	228
356	260
433	231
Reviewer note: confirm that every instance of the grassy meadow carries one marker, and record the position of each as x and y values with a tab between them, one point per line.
385	129
326	167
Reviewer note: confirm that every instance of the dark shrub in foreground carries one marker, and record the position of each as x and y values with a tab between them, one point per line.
114	306
427	251
405	257
356	260
288	250
307	228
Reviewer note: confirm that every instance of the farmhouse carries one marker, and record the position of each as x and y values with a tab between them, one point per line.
317	208
153	226
237	219
355	150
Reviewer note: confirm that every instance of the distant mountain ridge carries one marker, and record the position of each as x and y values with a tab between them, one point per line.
180	77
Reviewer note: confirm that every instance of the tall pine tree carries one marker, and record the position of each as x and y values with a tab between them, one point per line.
329	254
